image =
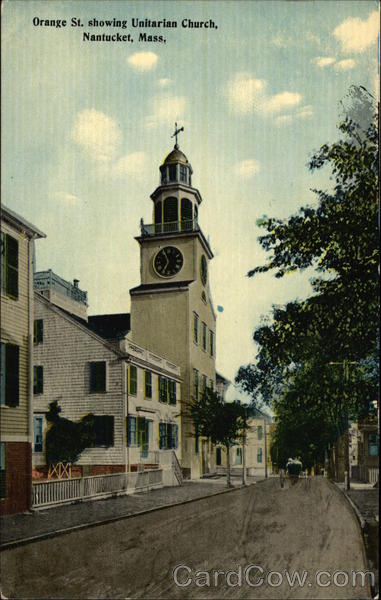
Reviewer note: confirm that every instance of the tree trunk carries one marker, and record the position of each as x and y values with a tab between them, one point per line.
228	483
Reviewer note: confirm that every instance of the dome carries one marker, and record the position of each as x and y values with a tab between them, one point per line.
176	156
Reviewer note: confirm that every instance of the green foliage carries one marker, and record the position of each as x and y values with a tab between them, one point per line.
222	422
65	439
293	370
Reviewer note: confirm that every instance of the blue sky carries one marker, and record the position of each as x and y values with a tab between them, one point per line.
86	125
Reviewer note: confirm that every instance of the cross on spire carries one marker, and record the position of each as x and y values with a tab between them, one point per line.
175	134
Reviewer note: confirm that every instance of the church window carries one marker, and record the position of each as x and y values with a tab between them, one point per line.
148	384
204	336
172	172
211	343
158	212
183	173
203	384
170	213
260	432
186	214
195	328
373	444
195	383
164	175
259	455
218	456
238	456
133	380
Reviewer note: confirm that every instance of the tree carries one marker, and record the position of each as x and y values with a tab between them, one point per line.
65	439
339	237
222	422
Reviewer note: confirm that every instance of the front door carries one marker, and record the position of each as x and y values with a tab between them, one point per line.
204	457
143	436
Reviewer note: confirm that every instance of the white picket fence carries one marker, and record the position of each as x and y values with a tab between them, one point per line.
60	491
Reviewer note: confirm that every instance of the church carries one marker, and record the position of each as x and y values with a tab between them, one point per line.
171	310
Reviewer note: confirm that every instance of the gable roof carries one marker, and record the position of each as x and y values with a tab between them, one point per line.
20	223
110	327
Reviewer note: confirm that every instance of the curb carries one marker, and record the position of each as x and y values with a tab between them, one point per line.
44	536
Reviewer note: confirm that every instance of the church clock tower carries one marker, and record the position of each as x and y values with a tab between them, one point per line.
171	310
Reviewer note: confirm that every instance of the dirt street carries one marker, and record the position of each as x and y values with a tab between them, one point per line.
263	533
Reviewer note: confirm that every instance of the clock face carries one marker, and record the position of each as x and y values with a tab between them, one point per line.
168	261
204	269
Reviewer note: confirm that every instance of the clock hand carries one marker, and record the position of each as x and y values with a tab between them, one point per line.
167	259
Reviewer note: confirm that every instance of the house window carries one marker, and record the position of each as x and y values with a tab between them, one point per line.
104	430
259	455
203	384
168	436
38	380
195	328
9	265
9	374
163	389
131	431
37	432
133	380
260	432
148	384
238	456
38	331
2	471
98	376
218	457
195	383
373	444
204	336
211	343
172	392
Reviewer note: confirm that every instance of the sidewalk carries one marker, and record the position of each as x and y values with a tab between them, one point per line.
25	527
364	500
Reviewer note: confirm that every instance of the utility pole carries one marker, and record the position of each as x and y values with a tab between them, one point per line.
347	463
265	432
244	479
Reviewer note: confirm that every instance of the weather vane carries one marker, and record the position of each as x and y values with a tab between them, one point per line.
177	131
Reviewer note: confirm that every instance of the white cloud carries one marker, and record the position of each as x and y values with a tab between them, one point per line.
305	112
245	93
280	41
356	35
283	119
311	37
132	165
143	61
97	133
345	65
323	61
68	198
281	101
166	109
247	168
164	82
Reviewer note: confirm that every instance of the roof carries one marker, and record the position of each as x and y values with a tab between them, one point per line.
18	221
114	326
175	156
167	285
221	378
255	413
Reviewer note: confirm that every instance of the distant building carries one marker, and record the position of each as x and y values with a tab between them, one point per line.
16	425
364	450
257	448
90	366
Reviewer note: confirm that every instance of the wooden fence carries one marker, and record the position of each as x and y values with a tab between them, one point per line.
60	491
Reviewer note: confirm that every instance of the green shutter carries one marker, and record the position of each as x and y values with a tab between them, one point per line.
11	375
12	265
133	380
